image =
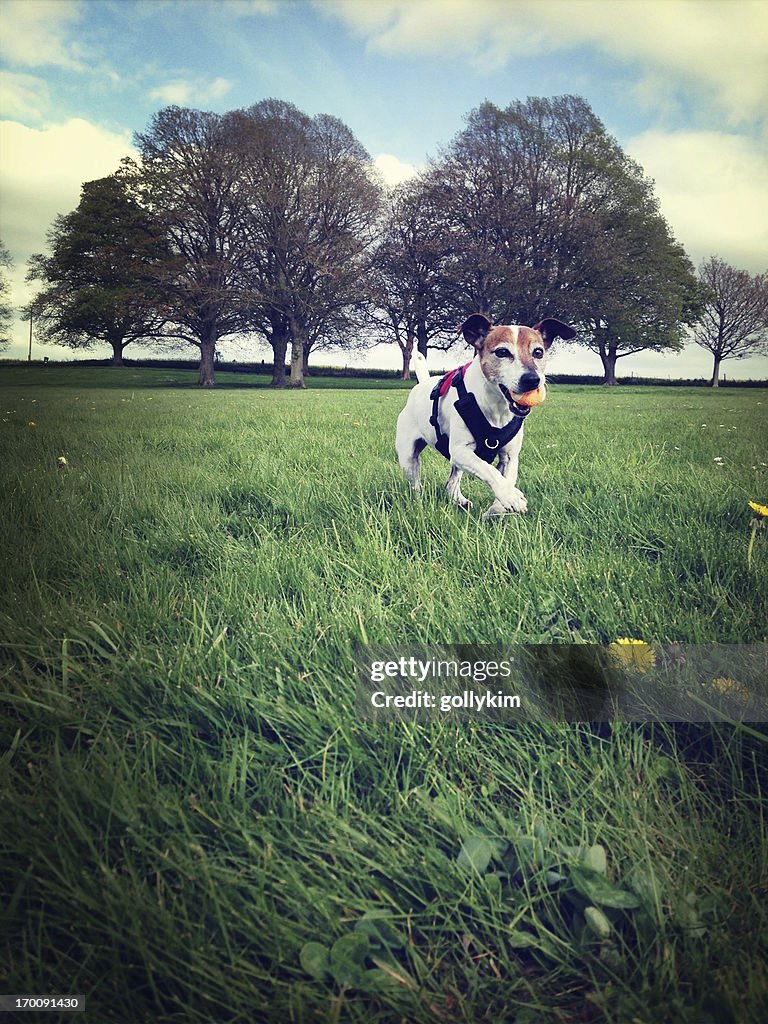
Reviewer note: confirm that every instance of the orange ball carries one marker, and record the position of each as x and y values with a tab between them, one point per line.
531	398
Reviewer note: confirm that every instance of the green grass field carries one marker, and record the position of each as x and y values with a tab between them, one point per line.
196	824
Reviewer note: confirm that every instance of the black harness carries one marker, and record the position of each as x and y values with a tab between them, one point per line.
489	440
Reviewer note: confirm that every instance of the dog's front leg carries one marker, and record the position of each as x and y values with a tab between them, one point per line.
453	487
509	462
508	498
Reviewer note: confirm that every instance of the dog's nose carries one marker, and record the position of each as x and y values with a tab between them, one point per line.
528	382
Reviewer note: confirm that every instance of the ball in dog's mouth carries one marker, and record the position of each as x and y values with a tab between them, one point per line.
531	398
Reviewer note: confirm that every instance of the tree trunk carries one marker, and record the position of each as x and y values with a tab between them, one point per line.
297	363
306	349
715	382
117	352
407	351
608	359
279	348
207	378
406	374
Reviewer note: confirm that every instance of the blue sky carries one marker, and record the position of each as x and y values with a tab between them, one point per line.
682	84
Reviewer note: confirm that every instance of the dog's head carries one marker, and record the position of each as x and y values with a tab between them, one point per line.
514	357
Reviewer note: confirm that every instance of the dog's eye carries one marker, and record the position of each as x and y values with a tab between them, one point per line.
503	353
538	353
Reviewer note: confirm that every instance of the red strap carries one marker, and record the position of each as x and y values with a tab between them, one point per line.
449	378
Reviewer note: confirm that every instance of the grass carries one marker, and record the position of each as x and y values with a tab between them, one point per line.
197	825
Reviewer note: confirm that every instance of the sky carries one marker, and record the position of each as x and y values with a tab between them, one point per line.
682	85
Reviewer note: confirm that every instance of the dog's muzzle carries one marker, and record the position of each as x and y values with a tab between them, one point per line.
514	407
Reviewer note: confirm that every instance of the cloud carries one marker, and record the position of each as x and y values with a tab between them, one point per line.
37	33
40	177
721	47
181	91
173	92
219	87
393	170
711	187
247	8
23	95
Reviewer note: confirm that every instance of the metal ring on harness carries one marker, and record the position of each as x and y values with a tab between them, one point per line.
491	447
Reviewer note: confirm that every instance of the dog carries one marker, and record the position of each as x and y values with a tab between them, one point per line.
486	422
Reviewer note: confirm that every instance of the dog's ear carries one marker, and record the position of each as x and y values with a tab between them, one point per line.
475	328
549	328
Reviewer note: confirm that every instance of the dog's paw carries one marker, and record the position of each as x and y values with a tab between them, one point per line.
514	501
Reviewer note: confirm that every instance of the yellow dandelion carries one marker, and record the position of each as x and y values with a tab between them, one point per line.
32	423
762	510
636	655
62	462
731	688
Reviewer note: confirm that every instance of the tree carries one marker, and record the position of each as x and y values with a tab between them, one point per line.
100	280
734	320
312	208
190	179
6	310
634	287
544	214
413	307
516	184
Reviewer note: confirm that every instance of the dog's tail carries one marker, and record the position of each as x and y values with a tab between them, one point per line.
419	366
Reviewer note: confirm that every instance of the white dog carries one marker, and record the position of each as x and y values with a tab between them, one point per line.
486	421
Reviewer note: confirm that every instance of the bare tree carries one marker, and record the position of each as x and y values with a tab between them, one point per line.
191	179
312	209
734	322
542	212
413	306
6	310
515	186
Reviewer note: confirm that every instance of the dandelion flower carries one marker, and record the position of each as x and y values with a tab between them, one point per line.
762	510
32	423
62	462
633	654
731	688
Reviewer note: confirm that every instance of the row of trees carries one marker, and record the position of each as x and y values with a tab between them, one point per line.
268	222
6	309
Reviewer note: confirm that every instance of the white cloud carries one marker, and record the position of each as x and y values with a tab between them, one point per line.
246	8
393	170
182	91
40	177
721	47
23	95
37	33
711	187
219	87
173	92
